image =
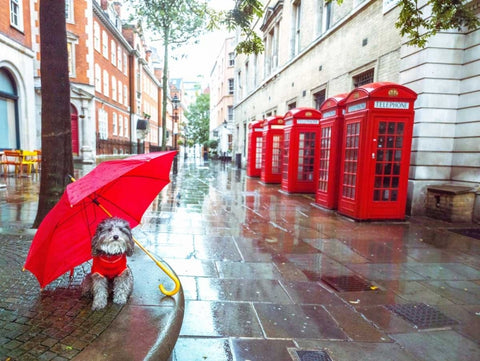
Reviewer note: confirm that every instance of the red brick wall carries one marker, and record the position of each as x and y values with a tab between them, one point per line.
23	37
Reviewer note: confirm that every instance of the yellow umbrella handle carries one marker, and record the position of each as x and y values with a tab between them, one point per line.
162	267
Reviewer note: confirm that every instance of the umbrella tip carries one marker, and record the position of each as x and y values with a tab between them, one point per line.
23	269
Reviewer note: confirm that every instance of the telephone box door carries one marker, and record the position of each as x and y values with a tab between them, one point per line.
255	140
272	150
331	127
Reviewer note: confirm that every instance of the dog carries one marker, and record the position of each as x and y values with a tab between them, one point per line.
111	245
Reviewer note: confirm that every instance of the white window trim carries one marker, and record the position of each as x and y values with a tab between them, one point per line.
105	44
97	43
18	4
69	12
106	80
98	78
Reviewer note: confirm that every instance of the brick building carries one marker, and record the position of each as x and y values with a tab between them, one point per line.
17	111
315	50
115	96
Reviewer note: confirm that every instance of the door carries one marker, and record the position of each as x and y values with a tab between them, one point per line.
74	122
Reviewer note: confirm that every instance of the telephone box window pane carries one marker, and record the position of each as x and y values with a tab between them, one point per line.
382	128
396	169
276	154
391	128
398	155
351	158
400	128
258	153
399	142
306	153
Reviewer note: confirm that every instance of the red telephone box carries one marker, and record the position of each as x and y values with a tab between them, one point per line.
254	157
301	150
331	127
375	161
272	149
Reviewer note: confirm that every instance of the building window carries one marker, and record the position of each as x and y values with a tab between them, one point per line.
125	124
114	123
98	78
119	58
69	11
363	78
230	113
106	88
231	59
103	124
105	44
72	41
291	105
297	17
113	52
120	92
125	63
125	95
328	15
231	85
319	17
96	36
114	88
319	98
16	14
120	125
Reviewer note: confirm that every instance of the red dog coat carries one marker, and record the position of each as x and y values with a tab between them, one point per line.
109	266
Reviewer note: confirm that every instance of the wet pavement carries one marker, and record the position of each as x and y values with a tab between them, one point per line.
265	275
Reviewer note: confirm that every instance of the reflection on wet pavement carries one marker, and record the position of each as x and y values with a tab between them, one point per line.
252	261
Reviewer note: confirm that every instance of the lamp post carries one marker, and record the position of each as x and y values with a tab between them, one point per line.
175	102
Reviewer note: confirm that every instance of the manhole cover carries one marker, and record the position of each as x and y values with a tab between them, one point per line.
309	355
469	232
422	315
347	283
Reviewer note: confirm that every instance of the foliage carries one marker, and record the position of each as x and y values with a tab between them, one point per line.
196	131
244	13
453	14
212	144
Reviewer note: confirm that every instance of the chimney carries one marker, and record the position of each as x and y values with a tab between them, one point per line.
104	4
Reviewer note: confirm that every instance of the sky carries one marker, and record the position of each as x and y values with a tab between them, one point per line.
200	57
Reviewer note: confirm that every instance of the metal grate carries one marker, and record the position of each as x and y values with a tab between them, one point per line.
347	283
309	355
469	232
422	315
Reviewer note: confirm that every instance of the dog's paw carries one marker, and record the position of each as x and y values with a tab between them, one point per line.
99	304
120	299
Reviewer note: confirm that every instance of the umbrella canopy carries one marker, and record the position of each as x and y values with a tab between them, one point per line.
125	188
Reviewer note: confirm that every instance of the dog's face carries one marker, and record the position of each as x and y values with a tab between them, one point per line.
113	236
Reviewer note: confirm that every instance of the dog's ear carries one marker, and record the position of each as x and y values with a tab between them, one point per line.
130	243
128	231
95	239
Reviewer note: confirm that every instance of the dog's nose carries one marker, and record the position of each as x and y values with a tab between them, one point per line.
115	237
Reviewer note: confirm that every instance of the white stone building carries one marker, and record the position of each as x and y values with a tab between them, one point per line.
316	50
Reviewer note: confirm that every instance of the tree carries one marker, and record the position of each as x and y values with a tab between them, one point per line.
198	115
453	14
177	22
57	159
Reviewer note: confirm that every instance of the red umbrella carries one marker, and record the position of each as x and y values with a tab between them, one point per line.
122	188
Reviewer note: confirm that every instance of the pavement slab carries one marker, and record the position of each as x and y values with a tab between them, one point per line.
253	262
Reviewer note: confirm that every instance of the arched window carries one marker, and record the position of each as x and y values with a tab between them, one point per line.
9	139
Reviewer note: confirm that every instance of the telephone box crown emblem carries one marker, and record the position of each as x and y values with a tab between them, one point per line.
393	92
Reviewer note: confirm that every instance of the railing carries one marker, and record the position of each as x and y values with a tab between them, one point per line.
115	146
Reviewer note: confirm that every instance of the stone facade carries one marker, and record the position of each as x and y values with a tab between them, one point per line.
315	51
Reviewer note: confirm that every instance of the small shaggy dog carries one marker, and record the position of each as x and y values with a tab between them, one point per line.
111	245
